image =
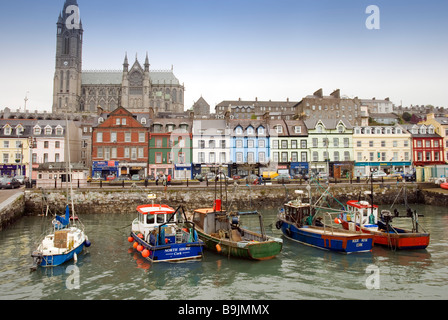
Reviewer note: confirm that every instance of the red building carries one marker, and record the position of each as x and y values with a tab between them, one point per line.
120	144
427	146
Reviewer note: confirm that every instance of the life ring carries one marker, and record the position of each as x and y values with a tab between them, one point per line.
279	224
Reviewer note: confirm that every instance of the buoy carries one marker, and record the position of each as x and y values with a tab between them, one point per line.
218	248
140	248
145	253
135	245
87	243
140	236
130	239
337	220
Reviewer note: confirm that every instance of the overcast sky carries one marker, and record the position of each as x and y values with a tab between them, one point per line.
225	50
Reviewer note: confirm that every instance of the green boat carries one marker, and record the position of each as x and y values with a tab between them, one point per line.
221	232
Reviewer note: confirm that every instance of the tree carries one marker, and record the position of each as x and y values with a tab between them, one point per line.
406	116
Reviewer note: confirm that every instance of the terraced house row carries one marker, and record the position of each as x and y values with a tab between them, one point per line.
123	143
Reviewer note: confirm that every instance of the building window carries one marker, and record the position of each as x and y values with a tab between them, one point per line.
250	157
113	154
201	157
127	153
279	129
113	137
222	157
239	143
141	137
46	157
56	157
127	137
250	143
284	144
202	145
294	157
336	143
239	157
346	156
141	153
223	144
99	153
261	157
284	156
211	144
428	156
304	157
123	121
275	144
297	129
315	156
99	137
6	158
211	157
134	153
59	131
46	144
158	157
346	142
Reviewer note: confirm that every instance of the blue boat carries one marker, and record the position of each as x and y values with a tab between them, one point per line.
298	222
162	234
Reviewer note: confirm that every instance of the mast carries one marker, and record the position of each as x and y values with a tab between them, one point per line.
69	167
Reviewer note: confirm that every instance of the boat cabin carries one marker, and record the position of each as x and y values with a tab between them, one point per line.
297	212
362	213
151	216
210	220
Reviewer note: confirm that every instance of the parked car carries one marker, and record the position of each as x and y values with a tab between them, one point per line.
135	177
322	175
110	177
283	177
379	174
10	183
410	176
21	179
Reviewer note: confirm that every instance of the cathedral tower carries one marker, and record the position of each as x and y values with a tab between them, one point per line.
68	74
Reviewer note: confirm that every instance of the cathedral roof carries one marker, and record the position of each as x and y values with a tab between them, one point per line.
116	77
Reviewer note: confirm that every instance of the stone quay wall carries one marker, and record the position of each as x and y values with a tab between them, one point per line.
11	210
242	198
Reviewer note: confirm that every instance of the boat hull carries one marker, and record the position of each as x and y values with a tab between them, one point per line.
59	259
444	186
251	250
171	252
403	240
324	239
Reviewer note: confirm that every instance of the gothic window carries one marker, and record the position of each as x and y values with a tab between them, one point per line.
136	83
66	49
62	81
174	96
68	81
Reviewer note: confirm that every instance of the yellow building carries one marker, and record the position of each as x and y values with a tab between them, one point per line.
15	149
440	125
381	148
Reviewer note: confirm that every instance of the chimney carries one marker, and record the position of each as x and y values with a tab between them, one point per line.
319	93
336	94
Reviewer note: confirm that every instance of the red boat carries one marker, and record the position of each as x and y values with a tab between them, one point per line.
361	215
444	186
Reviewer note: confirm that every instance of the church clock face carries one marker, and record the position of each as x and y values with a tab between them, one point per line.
65	63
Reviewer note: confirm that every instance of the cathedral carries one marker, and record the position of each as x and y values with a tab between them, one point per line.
137	88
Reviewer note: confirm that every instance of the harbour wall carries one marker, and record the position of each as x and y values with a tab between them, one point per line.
12	209
243	198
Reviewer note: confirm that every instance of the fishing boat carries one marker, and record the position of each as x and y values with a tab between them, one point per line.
163	234
298	221
66	237
223	233
363	216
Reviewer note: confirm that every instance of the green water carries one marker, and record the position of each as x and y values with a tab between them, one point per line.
110	269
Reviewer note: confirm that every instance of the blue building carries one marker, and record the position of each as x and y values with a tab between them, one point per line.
249	147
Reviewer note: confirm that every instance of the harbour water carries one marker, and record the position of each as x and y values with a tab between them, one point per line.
111	269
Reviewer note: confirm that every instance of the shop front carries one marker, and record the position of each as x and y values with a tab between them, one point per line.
102	169
365	168
299	168
12	170
183	172
161	169
130	169
341	170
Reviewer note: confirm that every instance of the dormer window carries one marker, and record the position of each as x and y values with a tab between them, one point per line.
260	130
279	129
143	120
297	129
37	130
340	129
423	130
48	130
59	130
19	130
100	120
239	130
431	130
250	130
7	130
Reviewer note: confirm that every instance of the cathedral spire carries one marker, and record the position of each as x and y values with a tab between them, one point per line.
126	63
147	62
